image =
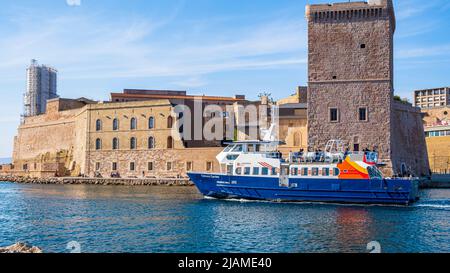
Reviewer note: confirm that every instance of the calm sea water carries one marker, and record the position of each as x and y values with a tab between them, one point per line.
174	219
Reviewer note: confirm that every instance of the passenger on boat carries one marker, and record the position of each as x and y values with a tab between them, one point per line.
301	152
279	155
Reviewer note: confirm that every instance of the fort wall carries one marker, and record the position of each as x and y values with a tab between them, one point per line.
408	141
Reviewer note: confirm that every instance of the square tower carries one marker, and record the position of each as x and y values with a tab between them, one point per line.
350	74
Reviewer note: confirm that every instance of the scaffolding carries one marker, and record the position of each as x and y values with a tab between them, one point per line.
41	86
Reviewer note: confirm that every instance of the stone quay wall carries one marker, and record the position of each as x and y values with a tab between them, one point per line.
99	181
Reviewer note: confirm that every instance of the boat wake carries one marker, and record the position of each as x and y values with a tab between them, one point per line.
303	202
438	204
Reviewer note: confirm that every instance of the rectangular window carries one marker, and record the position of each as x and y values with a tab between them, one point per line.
363	114
247	170
114	166
265	171
294	171
315	172
169	166
25	167
150	166
305	171
209	166
255	171
97	166
274	171
132	166
189	165
326	172
336	172
334	115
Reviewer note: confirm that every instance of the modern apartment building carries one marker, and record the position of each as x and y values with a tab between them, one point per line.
41	86
432	98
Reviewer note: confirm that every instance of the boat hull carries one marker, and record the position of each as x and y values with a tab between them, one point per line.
386	191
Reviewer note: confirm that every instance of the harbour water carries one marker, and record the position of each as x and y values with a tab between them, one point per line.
178	219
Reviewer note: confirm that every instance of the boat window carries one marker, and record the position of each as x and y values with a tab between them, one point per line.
258	147
247	170
229	169
315	172
274	171
372	157
239	171
326	172
374	173
264	171
255	171
336	171
232	157
251	148
305	171
237	148
227	149
294	171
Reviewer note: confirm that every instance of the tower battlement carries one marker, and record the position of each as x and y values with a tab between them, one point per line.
351	11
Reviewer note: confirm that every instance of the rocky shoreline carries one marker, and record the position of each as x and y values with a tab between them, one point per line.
20	248
99	181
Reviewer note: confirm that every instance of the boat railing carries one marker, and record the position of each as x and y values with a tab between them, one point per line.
311	157
271	154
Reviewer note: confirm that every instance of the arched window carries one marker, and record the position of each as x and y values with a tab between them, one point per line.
98	125
133	124
151	142
170	122
170	142
98	144
115	143
115	124
133	143
151	123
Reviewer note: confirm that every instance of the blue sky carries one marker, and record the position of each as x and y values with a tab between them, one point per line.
217	47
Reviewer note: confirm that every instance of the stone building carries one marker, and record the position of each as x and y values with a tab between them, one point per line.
128	137
136	135
293	120
437	132
350	85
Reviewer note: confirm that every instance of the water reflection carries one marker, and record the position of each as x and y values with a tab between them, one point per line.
164	219
354	227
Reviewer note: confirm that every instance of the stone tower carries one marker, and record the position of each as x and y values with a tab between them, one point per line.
350	74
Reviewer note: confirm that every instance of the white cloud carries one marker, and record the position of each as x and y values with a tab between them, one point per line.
419	52
73	2
86	47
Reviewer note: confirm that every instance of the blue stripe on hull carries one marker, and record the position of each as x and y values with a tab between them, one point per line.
389	191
